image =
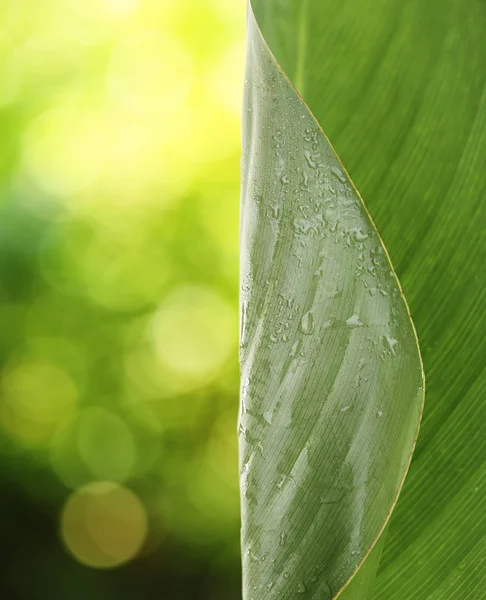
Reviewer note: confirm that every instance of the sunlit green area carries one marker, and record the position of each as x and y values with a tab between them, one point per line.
119	178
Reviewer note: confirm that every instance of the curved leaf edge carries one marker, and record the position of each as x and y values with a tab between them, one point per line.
251	15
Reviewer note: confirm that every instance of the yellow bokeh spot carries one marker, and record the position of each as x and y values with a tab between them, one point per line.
37	398
233	11
121	270
120	152
61	149
150	73
194	333
226	79
103	525
104	9
122	7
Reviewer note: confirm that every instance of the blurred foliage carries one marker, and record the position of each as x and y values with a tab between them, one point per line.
119	177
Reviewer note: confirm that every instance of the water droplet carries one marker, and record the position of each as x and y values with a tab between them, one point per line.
305	184
310	135
254	558
339	174
320	271
275	211
309	158
279	138
302	226
360	235
283	538
354	321
243	325
268	416
283	480
392	343
301	589
307	323
294	351
380	413
286	575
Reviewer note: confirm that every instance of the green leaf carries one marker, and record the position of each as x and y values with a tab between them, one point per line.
332	385
399	87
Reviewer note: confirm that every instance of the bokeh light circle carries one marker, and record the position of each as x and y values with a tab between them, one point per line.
37	398
106	445
58	151
119	231
96	444
103	525
194	332
150	72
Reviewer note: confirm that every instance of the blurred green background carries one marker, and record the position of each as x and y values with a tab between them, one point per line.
119	178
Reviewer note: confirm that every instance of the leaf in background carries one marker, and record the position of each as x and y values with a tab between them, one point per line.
332	385
400	89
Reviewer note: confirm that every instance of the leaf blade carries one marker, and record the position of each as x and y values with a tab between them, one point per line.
400	89
302	218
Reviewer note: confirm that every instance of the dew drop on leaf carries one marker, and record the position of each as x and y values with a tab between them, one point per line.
295	348
307	323
354	321
338	174
392	343
310	160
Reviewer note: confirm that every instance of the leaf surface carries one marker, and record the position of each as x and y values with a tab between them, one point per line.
399	89
332	385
